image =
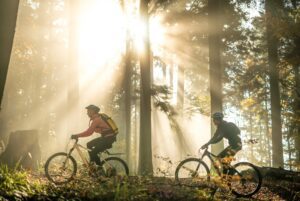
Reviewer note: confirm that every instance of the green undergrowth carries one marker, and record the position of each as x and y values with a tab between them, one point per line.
17	184
26	185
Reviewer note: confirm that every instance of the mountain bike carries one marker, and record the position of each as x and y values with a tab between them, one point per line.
243	178
61	167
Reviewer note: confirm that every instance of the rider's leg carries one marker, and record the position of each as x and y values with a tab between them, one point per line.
92	152
225	156
99	145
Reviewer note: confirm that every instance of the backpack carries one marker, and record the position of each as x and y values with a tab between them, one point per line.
111	123
234	129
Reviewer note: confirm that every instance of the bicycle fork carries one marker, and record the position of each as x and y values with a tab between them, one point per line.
197	168
67	159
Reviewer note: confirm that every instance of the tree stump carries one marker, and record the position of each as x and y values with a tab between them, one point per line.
22	150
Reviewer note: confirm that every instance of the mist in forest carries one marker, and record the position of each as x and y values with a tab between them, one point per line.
63	61
70	54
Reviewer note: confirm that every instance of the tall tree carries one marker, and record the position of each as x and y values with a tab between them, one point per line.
294	58
145	153
128	97
127	86
297	114
8	18
180	89
215	69
272	13
73	87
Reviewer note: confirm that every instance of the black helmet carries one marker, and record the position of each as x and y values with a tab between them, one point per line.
218	115
93	107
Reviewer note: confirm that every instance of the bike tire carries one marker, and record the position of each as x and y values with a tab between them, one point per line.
50	161
115	160
258	179
191	163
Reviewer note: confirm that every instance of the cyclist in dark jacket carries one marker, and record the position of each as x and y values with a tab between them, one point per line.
226	130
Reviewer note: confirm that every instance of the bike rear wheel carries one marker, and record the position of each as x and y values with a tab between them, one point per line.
114	166
60	168
245	179
192	172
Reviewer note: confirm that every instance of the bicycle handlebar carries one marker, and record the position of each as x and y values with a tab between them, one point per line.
202	151
76	140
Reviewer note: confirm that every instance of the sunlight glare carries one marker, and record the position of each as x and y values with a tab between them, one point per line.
101	33
138	30
157	33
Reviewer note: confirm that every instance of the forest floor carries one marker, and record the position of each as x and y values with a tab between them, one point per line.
24	185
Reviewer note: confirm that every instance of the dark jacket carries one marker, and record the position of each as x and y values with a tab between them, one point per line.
229	131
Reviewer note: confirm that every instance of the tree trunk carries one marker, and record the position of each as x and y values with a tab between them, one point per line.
8	19
127	88
266	118
289	149
145	155
180	90
128	72
297	116
171	73
272	7
164	70
262	144
38	73
215	69
73	85
251	136
296	106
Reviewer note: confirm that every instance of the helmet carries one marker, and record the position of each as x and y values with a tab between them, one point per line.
93	107
218	115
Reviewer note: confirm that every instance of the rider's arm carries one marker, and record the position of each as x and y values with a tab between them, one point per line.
89	131
218	136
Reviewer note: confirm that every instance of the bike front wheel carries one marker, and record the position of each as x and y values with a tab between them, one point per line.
60	168
245	179
192	172
114	166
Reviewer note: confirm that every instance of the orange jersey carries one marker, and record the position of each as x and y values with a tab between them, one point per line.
97	125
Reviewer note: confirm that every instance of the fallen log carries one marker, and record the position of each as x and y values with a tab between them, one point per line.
280	174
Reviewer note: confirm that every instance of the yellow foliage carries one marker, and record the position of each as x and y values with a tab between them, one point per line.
247	103
249	62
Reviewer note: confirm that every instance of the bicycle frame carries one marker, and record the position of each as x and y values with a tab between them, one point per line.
213	158
242	178
62	167
77	147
